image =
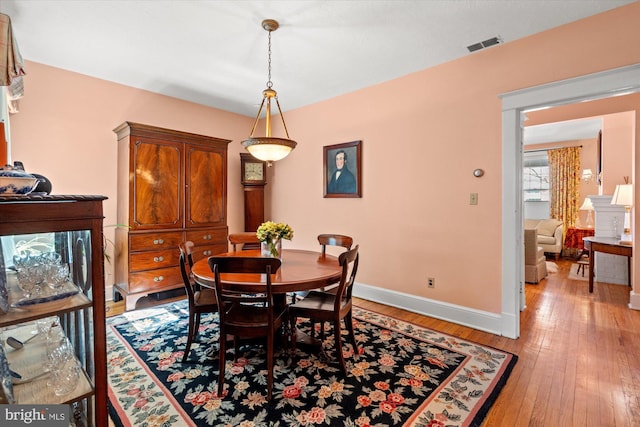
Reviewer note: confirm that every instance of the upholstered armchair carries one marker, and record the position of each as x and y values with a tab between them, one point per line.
550	234
535	263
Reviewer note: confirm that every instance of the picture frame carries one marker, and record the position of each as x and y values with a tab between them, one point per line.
347	156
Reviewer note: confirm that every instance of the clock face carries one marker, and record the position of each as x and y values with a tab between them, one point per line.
253	171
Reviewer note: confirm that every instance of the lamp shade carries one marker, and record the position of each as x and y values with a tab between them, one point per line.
586	205
623	195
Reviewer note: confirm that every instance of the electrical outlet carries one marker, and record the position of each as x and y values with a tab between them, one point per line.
431	282
473	198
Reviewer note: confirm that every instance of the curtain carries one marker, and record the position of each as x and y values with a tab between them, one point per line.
564	177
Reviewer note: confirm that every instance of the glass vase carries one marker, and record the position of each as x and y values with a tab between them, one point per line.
271	248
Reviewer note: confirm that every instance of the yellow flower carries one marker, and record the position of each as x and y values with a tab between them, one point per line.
269	231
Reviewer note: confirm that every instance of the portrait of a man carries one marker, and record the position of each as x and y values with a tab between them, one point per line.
342	168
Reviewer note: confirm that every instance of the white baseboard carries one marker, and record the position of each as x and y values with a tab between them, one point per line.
108	292
476	319
634	301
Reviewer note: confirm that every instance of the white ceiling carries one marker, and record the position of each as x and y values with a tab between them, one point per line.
215	52
570	130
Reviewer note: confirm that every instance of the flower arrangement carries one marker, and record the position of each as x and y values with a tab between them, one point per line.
270	233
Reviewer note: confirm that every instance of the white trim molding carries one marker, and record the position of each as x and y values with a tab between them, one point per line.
634	301
619	81
476	319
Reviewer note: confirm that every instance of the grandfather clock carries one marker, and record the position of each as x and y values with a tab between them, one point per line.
253	178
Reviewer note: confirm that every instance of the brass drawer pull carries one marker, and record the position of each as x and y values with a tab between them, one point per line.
158	279
207	253
158	241
158	259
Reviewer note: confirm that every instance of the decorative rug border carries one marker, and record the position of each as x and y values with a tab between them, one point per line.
499	381
470	350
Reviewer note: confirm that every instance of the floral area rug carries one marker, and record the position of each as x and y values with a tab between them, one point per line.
405	375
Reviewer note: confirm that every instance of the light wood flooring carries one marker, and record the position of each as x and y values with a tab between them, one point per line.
578	355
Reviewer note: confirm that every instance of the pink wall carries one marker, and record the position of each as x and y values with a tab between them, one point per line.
617	158
423	135
65	131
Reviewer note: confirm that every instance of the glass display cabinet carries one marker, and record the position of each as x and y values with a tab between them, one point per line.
52	304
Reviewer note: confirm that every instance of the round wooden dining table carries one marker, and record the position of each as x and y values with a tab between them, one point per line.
300	271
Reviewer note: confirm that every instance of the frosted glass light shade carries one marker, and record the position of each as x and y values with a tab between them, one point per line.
269	149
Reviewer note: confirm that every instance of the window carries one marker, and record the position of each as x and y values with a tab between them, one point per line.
535	180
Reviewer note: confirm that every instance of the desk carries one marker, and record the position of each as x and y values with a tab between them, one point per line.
300	271
607	245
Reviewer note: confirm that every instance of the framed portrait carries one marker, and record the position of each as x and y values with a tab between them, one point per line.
342	167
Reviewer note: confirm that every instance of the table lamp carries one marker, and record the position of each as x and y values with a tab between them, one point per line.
623	196
588	206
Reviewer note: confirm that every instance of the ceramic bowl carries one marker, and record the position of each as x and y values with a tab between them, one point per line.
17	185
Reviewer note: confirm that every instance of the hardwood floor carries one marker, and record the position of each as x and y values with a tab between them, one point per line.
578	355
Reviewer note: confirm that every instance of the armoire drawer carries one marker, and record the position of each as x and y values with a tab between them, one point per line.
155	280
154	259
154	241
207	236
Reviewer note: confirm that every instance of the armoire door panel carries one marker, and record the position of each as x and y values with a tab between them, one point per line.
205	190
157	198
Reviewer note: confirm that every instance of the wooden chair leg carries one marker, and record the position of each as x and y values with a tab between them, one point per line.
292	332
348	319
190	334
221	366
270	366
196	327
338	342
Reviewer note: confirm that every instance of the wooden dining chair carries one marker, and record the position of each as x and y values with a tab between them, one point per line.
244	241
334	240
200	300
328	307
247	316
328	240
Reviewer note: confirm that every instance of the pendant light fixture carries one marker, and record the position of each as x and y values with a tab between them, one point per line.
268	148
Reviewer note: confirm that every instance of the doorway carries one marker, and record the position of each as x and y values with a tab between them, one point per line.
625	80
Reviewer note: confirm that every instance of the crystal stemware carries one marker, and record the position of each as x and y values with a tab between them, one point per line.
30	279
58	276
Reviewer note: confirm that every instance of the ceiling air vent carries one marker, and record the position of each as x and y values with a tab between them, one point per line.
481	45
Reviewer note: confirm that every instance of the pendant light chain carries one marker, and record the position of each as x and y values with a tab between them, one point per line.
269	82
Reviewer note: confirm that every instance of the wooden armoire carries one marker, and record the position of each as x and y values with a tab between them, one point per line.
172	186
